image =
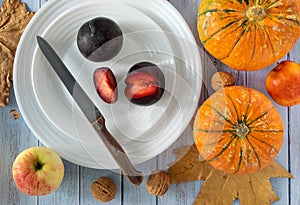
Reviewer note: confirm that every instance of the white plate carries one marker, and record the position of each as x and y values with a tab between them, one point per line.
141	35
153	31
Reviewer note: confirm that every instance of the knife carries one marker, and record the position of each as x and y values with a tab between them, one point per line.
91	112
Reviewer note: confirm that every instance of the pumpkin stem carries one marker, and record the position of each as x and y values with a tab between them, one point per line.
256	13
242	130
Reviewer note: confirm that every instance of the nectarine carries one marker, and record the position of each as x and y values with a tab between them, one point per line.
283	83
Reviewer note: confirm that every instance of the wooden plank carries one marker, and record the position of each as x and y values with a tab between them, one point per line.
69	189
88	176
181	194
14	138
32	5
256	80
184	193
294	140
42	2
294	155
189	10
138	194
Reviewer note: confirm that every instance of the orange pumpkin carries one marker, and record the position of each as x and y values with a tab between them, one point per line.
249	34
238	130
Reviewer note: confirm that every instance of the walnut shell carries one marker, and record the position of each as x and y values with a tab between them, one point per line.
103	189
158	183
221	79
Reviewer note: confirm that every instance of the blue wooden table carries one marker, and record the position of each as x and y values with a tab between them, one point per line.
15	136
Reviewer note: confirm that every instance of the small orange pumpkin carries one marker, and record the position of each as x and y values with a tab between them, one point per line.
249	34
238	130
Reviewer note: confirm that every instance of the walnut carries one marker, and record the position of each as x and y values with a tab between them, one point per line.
158	183
221	79
103	189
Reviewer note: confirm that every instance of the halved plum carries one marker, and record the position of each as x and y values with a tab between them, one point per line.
140	85
106	85
145	83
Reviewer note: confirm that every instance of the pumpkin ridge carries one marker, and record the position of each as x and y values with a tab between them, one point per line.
221	115
207	131
241	1
239	38
270	42
257	26
215	142
260	3
284	18
224	148
235	108
248	106
217	10
219	122
254	151
240	156
240	161
207	11
271	4
257	118
254	44
264	142
224	27
227	11
267	131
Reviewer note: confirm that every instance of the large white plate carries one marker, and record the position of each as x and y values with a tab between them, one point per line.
153	31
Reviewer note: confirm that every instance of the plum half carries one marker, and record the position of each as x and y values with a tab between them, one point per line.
106	85
100	39
145	83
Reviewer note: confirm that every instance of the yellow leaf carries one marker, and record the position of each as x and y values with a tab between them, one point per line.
220	188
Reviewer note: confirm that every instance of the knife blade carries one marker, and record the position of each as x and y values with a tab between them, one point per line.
91	112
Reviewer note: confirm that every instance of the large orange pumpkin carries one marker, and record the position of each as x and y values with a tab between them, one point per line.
249	34
238	130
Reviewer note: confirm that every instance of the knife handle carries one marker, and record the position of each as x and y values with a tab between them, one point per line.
117	152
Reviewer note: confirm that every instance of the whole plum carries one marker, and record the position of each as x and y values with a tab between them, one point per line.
100	39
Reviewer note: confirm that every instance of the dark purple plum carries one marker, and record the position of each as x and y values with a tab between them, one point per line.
145	84
100	39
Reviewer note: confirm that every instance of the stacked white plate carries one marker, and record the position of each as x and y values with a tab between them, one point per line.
153	31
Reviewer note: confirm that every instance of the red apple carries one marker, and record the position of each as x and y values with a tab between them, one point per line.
283	83
38	171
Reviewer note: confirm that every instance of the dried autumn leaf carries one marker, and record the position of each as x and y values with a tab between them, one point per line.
220	188
13	19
